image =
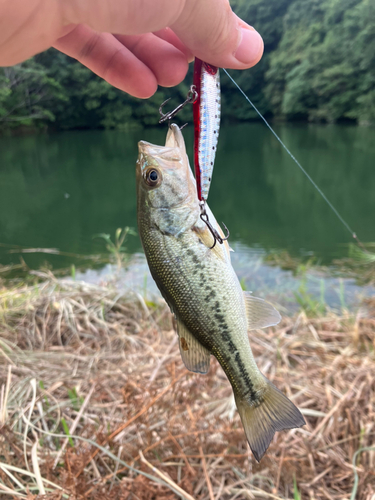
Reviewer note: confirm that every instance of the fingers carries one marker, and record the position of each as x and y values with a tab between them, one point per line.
169	36
168	64
207	28
216	35
110	59
126	17
26	28
135	64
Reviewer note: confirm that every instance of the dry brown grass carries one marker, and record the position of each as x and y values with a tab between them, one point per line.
107	367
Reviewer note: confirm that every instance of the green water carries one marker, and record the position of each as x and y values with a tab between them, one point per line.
59	190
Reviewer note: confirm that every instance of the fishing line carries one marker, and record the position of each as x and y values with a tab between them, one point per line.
343	221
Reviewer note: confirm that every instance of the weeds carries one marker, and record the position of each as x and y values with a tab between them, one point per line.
296	493
115	415
116	248
359	265
309	304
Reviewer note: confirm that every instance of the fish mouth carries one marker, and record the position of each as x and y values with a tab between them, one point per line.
172	151
174	138
147	149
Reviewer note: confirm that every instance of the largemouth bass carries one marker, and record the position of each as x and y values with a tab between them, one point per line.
212	313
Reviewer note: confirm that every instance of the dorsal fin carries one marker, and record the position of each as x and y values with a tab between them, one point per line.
260	313
196	358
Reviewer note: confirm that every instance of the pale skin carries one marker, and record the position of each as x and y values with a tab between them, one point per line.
135	45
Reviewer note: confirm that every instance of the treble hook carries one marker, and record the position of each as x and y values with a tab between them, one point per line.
204	217
191	97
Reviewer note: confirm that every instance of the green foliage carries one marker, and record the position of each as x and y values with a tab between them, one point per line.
266	17
26	93
308	303
66	431
76	400
318	65
116	248
362	255
324	66
296	493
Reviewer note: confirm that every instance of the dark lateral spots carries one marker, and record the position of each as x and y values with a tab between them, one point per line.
232	348
195	259
226	337
245	376
203	278
197	263
221	319
210	296
216	307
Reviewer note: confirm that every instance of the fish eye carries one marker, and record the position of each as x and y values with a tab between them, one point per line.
152	177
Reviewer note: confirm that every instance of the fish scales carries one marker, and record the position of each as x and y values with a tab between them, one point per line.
179	273
213	314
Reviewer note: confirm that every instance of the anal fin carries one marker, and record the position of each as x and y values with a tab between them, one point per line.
260	313
196	358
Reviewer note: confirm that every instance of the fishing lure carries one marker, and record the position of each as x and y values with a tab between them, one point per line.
206	112
205	96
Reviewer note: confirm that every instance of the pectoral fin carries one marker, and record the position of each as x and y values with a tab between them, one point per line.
196	358
260	313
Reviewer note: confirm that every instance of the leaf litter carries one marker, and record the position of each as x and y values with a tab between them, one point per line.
95	403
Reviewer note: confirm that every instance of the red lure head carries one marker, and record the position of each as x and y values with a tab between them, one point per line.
212	70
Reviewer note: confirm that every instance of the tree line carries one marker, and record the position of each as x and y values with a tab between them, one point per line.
318	66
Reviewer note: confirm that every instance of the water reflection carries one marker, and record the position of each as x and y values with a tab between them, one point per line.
60	190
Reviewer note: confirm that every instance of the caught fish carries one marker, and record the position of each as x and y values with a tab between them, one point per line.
206	111
212	313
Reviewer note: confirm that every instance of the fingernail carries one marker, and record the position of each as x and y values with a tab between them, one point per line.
250	48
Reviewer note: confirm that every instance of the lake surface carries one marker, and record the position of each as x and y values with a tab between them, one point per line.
59	190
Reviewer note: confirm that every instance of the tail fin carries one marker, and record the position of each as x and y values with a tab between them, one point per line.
275	413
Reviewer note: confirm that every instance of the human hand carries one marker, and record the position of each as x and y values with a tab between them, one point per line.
135	45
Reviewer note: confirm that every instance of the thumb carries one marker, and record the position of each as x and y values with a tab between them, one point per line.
211	30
